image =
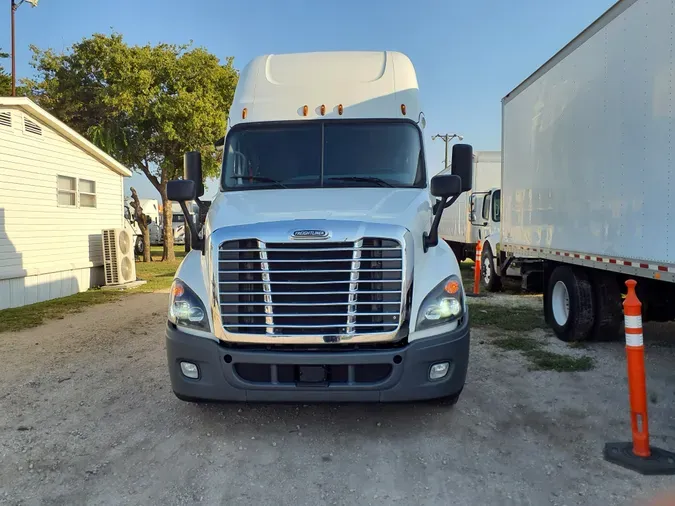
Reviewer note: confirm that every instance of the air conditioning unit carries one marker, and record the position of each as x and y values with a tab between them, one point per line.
118	256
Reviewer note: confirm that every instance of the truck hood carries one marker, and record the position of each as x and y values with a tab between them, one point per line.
400	206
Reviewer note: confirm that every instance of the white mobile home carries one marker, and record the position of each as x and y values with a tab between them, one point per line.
57	192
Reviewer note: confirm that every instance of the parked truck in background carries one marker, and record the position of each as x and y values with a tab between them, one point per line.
463	223
151	210
318	274
587	176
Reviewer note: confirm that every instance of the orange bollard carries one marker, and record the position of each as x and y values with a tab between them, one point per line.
476	269
637	386
638	455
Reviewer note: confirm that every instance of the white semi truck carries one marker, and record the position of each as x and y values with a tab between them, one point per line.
588	179
463	223
318	274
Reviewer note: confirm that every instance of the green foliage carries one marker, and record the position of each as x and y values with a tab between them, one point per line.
5	78
145	105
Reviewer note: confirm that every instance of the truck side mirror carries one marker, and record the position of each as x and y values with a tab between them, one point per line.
192	170
446	185
181	190
462	164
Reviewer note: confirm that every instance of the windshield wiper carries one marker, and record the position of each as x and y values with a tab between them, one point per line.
376	180
261	179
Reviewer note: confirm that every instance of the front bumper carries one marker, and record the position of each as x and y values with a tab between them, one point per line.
388	375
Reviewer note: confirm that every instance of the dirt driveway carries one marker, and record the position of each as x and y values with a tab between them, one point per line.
87	417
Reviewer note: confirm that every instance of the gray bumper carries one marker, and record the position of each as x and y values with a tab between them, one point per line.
402	374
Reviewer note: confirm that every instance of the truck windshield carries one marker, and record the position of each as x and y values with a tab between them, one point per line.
324	154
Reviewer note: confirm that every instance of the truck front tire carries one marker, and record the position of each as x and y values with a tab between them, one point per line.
569	305
492	282
449	400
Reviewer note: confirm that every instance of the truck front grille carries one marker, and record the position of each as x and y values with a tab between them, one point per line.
310	288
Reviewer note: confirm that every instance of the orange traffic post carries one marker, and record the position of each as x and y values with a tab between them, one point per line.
476	269
637	455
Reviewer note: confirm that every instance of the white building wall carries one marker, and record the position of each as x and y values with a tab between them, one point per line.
49	250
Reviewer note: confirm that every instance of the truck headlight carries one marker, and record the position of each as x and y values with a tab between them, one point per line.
444	304
185	308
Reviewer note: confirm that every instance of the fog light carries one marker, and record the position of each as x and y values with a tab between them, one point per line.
189	370
439	371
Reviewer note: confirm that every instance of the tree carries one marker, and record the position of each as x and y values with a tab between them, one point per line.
145	105
142	220
5	78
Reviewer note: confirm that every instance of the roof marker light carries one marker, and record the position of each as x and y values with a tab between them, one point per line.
403	109
305	110
323	110
340	109
244	111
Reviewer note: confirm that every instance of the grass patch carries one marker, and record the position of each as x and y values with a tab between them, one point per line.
466	269
26	317
541	359
159	275
549	361
512	318
517	343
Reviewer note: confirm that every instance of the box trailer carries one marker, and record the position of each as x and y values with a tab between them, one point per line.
461	225
587	175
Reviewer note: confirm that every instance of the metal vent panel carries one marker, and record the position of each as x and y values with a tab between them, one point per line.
6	119
310	288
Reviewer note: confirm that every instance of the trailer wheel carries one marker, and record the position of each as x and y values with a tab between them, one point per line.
139	247
491	280
608	307
458	250
569	306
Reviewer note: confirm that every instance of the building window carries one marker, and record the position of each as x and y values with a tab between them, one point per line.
87	193
67	191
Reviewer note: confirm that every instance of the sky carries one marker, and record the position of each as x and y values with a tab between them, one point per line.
468	54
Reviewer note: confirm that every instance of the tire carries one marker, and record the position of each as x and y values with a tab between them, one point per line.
450	400
193	400
608	307
489	277
458	250
569	305
139	247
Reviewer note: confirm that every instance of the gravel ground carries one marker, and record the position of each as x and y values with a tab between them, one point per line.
87	417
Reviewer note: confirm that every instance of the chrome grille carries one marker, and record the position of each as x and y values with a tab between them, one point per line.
310	288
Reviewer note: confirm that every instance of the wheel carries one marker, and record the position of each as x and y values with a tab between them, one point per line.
458	250
193	400
491	280
608	307
449	400
569	305
139	247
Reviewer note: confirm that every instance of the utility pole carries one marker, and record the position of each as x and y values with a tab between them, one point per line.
447	138
14	7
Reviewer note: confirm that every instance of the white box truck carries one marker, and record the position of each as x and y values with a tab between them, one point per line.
318	274
588	179
462	224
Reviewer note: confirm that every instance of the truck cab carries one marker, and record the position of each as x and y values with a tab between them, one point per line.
318	274
485	218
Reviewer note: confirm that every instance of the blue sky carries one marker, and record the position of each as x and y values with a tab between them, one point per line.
468	54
